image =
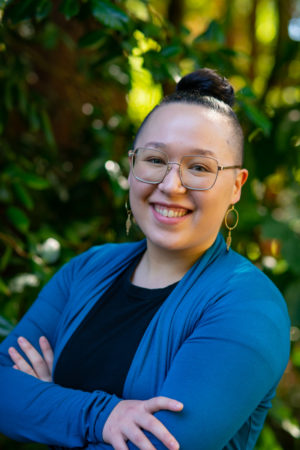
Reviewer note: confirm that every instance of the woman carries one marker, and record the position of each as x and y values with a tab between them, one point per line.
172	341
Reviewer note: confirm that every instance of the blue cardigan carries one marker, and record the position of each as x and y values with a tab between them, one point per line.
219	343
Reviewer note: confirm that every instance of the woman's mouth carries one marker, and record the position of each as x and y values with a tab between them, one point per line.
169	215
170	212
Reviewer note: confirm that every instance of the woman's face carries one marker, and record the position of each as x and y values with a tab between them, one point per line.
183	129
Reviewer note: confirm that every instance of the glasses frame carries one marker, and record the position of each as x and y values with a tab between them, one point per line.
131	154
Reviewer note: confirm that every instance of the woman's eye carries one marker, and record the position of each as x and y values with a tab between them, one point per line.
199	168
156	161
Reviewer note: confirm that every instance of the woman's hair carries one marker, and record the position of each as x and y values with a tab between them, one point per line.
205	87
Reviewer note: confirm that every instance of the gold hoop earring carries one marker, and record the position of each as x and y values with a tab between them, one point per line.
230	228
128	220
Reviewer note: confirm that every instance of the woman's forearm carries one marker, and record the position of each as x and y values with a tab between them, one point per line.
34	410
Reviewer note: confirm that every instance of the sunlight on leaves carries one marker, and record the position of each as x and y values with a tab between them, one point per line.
266	21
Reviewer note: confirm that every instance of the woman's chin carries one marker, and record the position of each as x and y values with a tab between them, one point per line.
166	243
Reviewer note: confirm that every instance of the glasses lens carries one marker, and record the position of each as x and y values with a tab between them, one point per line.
150	165
198	172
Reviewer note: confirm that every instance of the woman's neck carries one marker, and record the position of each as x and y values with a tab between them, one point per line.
160	267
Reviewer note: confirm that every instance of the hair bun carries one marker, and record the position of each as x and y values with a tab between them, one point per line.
207	82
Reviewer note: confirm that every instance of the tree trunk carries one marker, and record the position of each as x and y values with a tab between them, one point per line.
175	12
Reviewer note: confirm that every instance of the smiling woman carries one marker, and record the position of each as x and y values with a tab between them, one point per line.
174	341
190	135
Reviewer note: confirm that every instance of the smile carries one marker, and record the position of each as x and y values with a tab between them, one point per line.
170	212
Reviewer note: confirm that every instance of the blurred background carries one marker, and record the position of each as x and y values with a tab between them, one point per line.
78	76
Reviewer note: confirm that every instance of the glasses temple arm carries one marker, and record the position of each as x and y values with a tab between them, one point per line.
229	167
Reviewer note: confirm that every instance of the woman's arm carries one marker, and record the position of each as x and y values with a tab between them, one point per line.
229	365
32	410
127	419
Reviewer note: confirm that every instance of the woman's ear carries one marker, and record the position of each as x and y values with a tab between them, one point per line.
238	184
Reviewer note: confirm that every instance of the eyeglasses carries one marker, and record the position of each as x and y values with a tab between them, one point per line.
198	173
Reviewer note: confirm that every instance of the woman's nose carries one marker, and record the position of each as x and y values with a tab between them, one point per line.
172	182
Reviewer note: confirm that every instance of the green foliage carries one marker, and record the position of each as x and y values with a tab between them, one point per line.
5	327
109	15
69	8
76	77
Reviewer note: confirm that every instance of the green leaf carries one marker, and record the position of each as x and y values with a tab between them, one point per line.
291	251
28	9
213	33
43	9
33	117
109	15
47	128
34	181
291	295
172	69
290	242
93	168
4	3
5	194
295	356
226	51
5	326
267	440
23	195
5	259
245	92
50	35
24	11
184	30
95	39
69	8
151	30
256	133
256	116
18	218
14	173
171	50
272	229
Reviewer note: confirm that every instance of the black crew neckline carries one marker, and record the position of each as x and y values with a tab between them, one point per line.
142	292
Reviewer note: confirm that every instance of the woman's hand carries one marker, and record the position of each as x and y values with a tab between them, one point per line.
126	421
41	367
130	417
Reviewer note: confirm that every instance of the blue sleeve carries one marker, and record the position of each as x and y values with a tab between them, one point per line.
231	362
34	410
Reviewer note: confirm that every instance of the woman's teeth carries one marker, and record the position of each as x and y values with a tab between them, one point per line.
166	212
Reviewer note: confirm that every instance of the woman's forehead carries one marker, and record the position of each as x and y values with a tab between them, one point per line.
186	127
168	148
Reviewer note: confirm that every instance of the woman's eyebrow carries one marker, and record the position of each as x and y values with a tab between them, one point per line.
201	151
195	151
155	144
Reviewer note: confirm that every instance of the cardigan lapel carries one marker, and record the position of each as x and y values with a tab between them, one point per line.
172	323
90	284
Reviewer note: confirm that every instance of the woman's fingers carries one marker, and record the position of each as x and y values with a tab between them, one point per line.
157	403
20	363
138	438
118	443
47	352
152	424
130	418
39	367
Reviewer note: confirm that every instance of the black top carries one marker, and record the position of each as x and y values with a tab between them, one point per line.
99	353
